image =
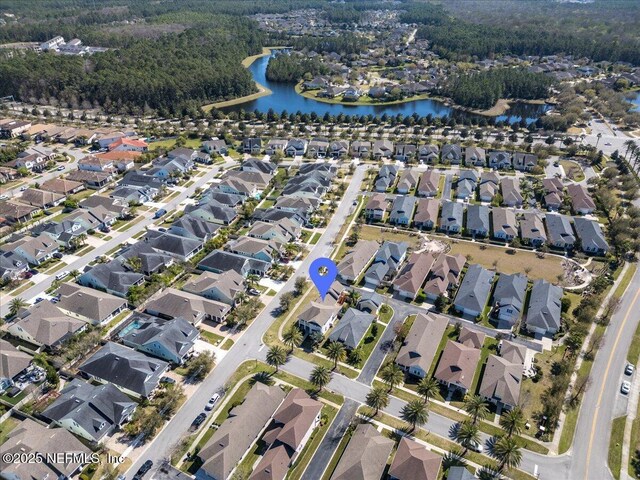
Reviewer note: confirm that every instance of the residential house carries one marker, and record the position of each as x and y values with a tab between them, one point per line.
370	302
95	163
366	454
501	382
429	184
94	180
258	166
213	212
135	373
405	152
402	210
451	154
170	340
34	440
222	287
361	149
352	328
475	156
457	366
428	154
489	186
293	423
92	412
296	147
146	180
385	263
12	363
504	224
112	277
508	299
246	422
194	228
560	231
478	220
319	316
132	195
122	160
11	128
229	199
61	186
41	198
581	201
36	250
284	231
252	145
408	181
553	201
471	338
500	160
512	352
413	461
467	184
13	265
382	149
474	291
318	147
219	261
215	146
267	251
89	305
444	276
409	281
128	145
45	325
151	260
14	212
524	161
451	217
460	473
181	248
592	240
354	263
172	303
338	148
511	196
275	145
376	207
532	229
545	307
421	344
426	215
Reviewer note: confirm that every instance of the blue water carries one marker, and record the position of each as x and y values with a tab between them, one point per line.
284	97
126	330
636	101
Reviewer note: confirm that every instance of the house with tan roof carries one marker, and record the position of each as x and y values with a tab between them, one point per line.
376	207
504	223
62	186
223	287
89	305
45	325
41	198
501	382
457	366
245	424
532	229
475	156
356	261
413	461
581	201
426	216
512	352
429	183
471	338
36	250
511	195
408	181
14	212
365	457
318	316
409	281
444	276
421	343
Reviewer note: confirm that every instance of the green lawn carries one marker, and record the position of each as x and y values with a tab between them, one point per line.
6	427
211	337
370	341
615	445
634	464
314	239
626	280
21	289
228	343
303	459
386	314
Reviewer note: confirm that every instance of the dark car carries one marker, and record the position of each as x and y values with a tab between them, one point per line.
160	213
146	466
199	419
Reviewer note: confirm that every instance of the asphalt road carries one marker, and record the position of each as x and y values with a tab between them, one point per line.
603	400
119	238
250	344
329	444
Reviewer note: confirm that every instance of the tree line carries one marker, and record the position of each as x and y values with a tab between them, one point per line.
291	69
484	89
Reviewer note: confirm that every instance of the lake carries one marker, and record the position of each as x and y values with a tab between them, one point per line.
284	97
636	101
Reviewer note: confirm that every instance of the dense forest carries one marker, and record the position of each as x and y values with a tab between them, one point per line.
482	90
343	44
290	68
166	74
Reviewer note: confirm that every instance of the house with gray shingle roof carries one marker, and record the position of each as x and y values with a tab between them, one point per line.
511	195
451	217
474	291
532	229
90	411
508	299
478	224
385	263
223	287
504	223
219	261
421	344
171	303
475	156
501	382
352	328
591	237
560	231
545	308
428	154
451	153
112	277
429	184
365	457
386	178
500	160
356	261
88	304
132	372
408	181
402	210
524	161
319	316
376	207
489	186
12	363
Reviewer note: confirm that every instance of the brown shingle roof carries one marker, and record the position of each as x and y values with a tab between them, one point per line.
457	364
414	462
501	380
365	456
422	342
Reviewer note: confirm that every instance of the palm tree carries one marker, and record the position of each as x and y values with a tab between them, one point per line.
320	376
276	357
508	453
337	353
428	388
415	413
392	375
631	146
292	338
75	273
134	263
512	421
377	398
353	298
16	304
466	434
476	407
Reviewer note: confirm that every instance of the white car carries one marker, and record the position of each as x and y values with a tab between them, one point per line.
625	387
474	446
628	370
61	275
212	402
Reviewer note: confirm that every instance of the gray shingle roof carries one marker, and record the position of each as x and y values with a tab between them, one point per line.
352	328
545	306
474	289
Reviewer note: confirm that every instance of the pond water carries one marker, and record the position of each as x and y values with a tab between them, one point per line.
636	101
284	97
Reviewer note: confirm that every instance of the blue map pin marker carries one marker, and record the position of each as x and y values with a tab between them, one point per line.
323	282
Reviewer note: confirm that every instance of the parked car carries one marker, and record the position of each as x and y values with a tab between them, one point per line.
212	402
105	229
161	229
625	387
474	446
57	255
38	300
23	188
28	275
629	369
61	168
146	466
160	213
253	291
199	419
61	275
167	380
4	197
